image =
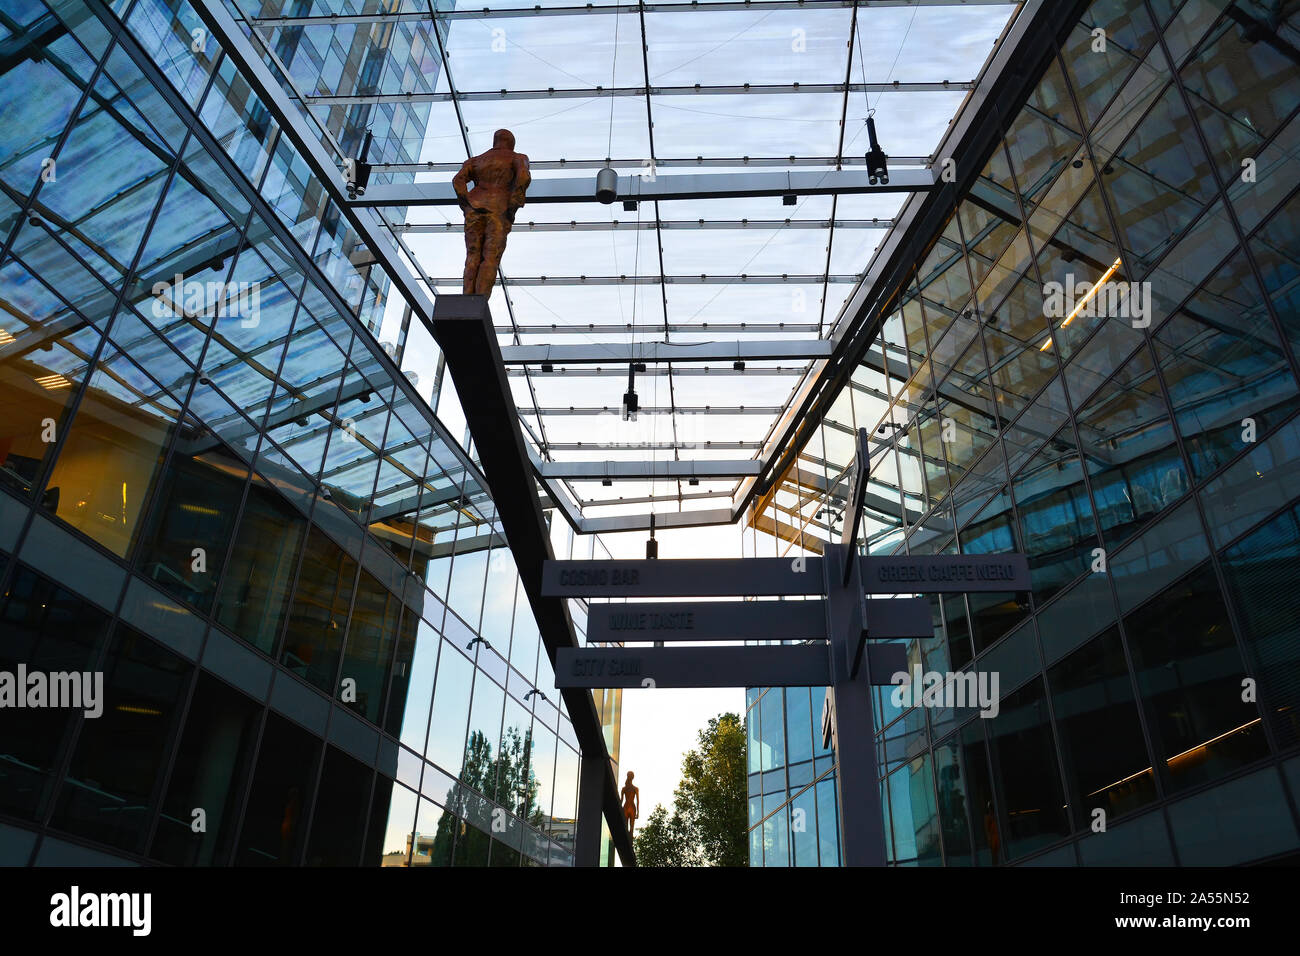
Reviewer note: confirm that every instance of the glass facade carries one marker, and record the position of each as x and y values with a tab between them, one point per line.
222	487
1136	437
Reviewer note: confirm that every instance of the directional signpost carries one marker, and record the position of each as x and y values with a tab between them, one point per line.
836	618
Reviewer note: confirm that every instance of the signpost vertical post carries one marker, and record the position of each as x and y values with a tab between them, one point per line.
853	731
862	838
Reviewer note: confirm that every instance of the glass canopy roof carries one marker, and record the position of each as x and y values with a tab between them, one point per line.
657	90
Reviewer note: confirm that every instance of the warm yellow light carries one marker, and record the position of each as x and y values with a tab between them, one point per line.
1096	286
5	337
1091	292
53	381
200	510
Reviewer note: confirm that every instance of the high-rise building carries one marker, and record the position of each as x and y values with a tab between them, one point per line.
1090	358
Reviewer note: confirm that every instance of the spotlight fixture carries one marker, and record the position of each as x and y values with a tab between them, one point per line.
360	177
629	205
631	404
738	365
478	640
548	367
606	186
538	692
693	481
877	171
639	366
1077	164
607	482
789	199
652	546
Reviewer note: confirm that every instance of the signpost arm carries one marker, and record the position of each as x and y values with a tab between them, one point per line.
853	734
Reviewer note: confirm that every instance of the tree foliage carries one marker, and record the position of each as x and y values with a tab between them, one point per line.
707	825
486	782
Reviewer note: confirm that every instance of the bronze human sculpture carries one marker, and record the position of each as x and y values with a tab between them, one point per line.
631	803
500	177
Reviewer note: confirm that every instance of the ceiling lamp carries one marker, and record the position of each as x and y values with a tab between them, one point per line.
877	171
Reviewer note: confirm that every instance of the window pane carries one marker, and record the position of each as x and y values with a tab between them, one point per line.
1190	677
1106	762
108	794
210	773
275	821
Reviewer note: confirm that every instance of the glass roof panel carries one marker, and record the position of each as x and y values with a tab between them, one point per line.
722	274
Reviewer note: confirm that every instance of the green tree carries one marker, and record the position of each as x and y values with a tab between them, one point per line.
486	782
707	826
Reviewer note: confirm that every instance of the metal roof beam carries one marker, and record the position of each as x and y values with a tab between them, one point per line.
587	371
645	470
765	328
615	225
666	352
663	410
679	186
588	93
489	13
726	445
826	162
669	519
455	281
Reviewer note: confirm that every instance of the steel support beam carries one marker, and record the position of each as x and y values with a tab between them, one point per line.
695	328
716	6
720	445
462	327
671	519
588	93
662	410
454	282
646	470
625	225
699	162
799	349
587	371
681	186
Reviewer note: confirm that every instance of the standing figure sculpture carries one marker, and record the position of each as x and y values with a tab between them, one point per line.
631	803
500	178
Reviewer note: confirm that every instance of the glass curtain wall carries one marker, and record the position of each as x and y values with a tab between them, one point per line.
219	491
1093	364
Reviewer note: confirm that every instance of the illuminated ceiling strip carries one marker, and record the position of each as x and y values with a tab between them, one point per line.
1083	302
